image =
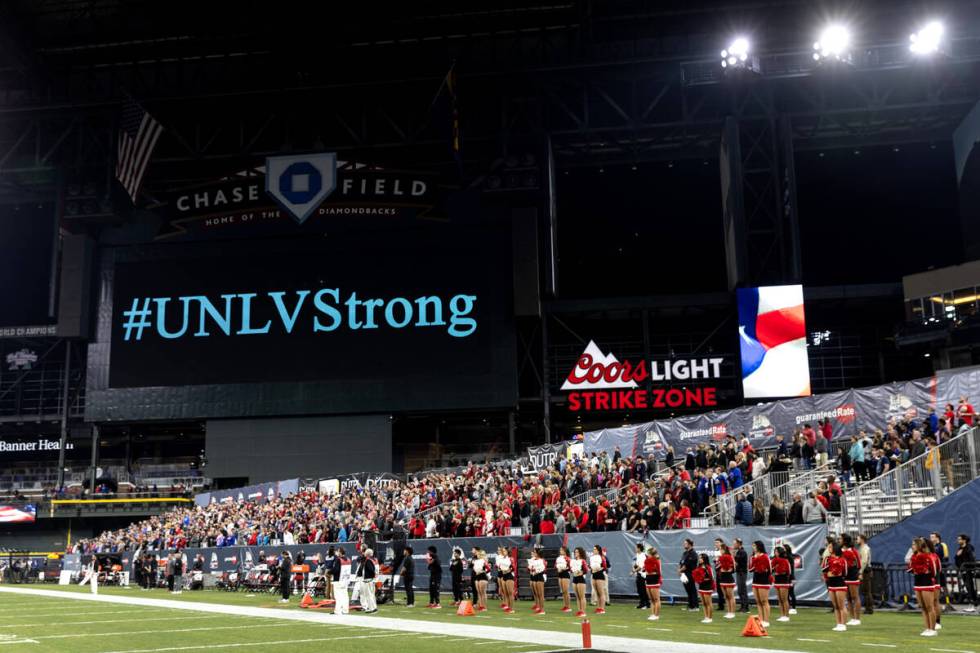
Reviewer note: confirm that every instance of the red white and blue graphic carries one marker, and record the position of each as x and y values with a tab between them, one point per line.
12	515
772	336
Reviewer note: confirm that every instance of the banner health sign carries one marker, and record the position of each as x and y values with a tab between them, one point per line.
848	411
601	382
417	317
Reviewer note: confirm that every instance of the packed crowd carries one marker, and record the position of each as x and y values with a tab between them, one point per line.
595	492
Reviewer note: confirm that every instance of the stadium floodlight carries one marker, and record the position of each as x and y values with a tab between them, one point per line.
834	44
738	56
929	40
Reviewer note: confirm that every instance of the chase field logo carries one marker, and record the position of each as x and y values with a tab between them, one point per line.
300	183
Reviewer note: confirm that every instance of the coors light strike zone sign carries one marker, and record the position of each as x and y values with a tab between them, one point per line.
601	382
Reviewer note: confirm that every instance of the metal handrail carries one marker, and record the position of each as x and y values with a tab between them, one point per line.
911	486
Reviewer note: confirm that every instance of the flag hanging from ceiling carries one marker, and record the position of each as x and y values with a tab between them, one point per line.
138	135
772	336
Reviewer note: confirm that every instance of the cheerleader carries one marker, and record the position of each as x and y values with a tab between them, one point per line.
761	570
505	579
782	581
578	567
562	564
706	586
792	577
853	579
536	566
653	581
480	570
835	572
598	566
923	568
726	577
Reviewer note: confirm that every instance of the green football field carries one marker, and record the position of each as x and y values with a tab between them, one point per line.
42	624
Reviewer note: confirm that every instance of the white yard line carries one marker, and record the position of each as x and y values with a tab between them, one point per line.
704	632
100	621
554	639
177	630
244	644
881	645
14	613
950	650
807	639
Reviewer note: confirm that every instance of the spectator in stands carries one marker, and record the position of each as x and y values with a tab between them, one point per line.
795	511
824	437
966	566
814	511
777	513
856	455
743	510
809	446
966	413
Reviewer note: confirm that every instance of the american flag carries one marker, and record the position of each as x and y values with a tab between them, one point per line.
138	134
9	514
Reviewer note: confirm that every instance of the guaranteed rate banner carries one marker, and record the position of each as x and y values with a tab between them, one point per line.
848	411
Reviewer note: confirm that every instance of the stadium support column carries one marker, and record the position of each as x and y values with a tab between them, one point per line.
545	380
758	183
64	416
94	461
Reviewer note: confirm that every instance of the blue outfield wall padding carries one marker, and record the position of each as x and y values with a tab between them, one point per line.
956	513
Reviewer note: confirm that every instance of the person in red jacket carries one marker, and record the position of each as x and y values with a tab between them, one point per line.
726	576
835	571
853	579
782	568
682	518
923	568
653	581
705	582
761	569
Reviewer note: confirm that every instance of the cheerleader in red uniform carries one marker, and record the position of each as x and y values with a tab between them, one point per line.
781	571
562	565
653	580
705	581
579	566
536	567
726	577
835	572
598	565
853	579
505	578
923	569
761	570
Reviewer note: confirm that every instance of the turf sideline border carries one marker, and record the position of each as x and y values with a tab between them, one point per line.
552	639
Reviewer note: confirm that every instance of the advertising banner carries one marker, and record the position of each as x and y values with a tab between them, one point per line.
546	455
259	493
295	193
620	548
357	482
848	411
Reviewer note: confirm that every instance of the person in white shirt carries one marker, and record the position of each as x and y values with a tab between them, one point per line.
430	527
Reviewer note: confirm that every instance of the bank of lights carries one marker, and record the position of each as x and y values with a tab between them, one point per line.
737	53
928	40
834	44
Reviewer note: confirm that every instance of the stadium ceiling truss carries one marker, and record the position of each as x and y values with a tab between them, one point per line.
620	112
